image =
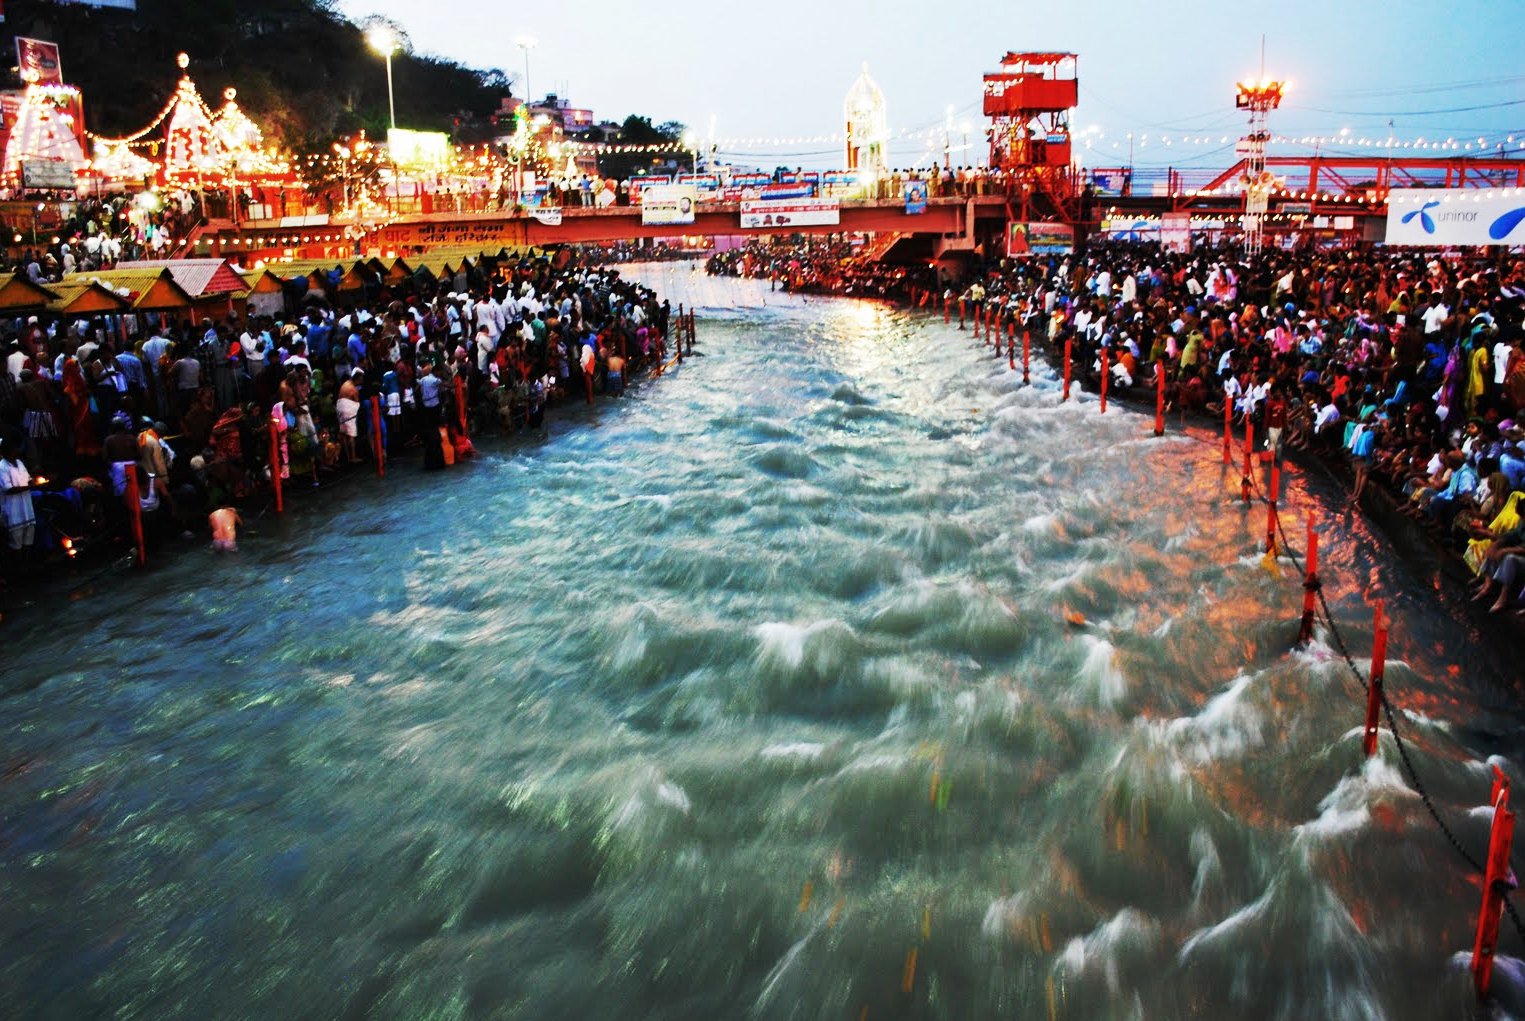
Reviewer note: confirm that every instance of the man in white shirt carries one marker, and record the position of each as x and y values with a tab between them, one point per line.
1435	316
1328	417
1501	352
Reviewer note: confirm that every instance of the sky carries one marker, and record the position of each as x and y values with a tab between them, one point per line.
1163	71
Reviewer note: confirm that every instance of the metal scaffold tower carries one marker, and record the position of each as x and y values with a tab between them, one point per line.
1259	98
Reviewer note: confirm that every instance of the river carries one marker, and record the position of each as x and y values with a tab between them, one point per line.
724	698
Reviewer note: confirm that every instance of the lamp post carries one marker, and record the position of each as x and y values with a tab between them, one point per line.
385	42
948	139
526	43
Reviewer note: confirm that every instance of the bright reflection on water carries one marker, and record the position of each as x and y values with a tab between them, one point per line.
725	698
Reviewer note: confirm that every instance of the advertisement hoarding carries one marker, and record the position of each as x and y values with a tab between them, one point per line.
669	204
418	148
1455	216
1175	232
915	197
789	213
637	185
37	61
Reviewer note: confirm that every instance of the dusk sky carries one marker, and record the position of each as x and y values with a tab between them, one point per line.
1167	70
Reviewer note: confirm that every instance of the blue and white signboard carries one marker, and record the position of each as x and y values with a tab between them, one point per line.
1456	216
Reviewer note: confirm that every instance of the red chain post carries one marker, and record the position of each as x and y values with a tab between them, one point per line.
1374	689
1067	343
275	464
1106	361
1026	357
1159	398
962	308
1271	509
1497	879
1228	429
1249	455
1310	586
460	401
378	447
947	309
134	500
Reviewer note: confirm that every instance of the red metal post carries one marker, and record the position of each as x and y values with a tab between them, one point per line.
1249	456
134	500
1026	357
378	447
275	465
1310	586
947	309
996	333
692	329
1228	429
1067	343
1271	509
1374	689
1011	343
1159	398
1497	879
460	401
961	310
1106	360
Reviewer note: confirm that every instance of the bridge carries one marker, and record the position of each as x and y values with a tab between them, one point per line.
949	223
1312	186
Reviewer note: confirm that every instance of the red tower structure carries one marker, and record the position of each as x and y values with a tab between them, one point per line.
1028	102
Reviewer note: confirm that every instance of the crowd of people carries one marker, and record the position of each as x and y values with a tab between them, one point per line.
1407	363
200	417
825	265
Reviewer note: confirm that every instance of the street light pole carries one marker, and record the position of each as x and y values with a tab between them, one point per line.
391	96
385	42
526	43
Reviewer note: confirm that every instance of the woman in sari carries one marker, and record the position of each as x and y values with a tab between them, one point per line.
77	400
1506	520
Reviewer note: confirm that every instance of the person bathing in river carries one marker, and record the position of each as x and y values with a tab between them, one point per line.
224	522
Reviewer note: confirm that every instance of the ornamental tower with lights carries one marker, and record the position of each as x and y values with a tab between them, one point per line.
1259	99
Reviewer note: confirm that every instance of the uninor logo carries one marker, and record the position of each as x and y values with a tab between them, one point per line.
1425	220
1505	225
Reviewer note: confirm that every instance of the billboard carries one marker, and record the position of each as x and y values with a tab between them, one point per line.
1175	232
55	175
915	197
1040	239
789	213
37	61
669	204
418	148
1455	216
638	185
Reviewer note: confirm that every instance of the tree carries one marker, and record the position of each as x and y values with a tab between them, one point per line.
639	130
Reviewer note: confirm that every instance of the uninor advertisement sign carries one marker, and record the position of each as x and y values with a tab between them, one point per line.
1456	216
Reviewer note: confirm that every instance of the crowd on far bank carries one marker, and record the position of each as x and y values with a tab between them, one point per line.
203	416
1406	364
827	265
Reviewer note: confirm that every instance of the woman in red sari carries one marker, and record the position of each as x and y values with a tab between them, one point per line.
77	400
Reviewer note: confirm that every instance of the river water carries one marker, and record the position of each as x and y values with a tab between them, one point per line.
724	698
